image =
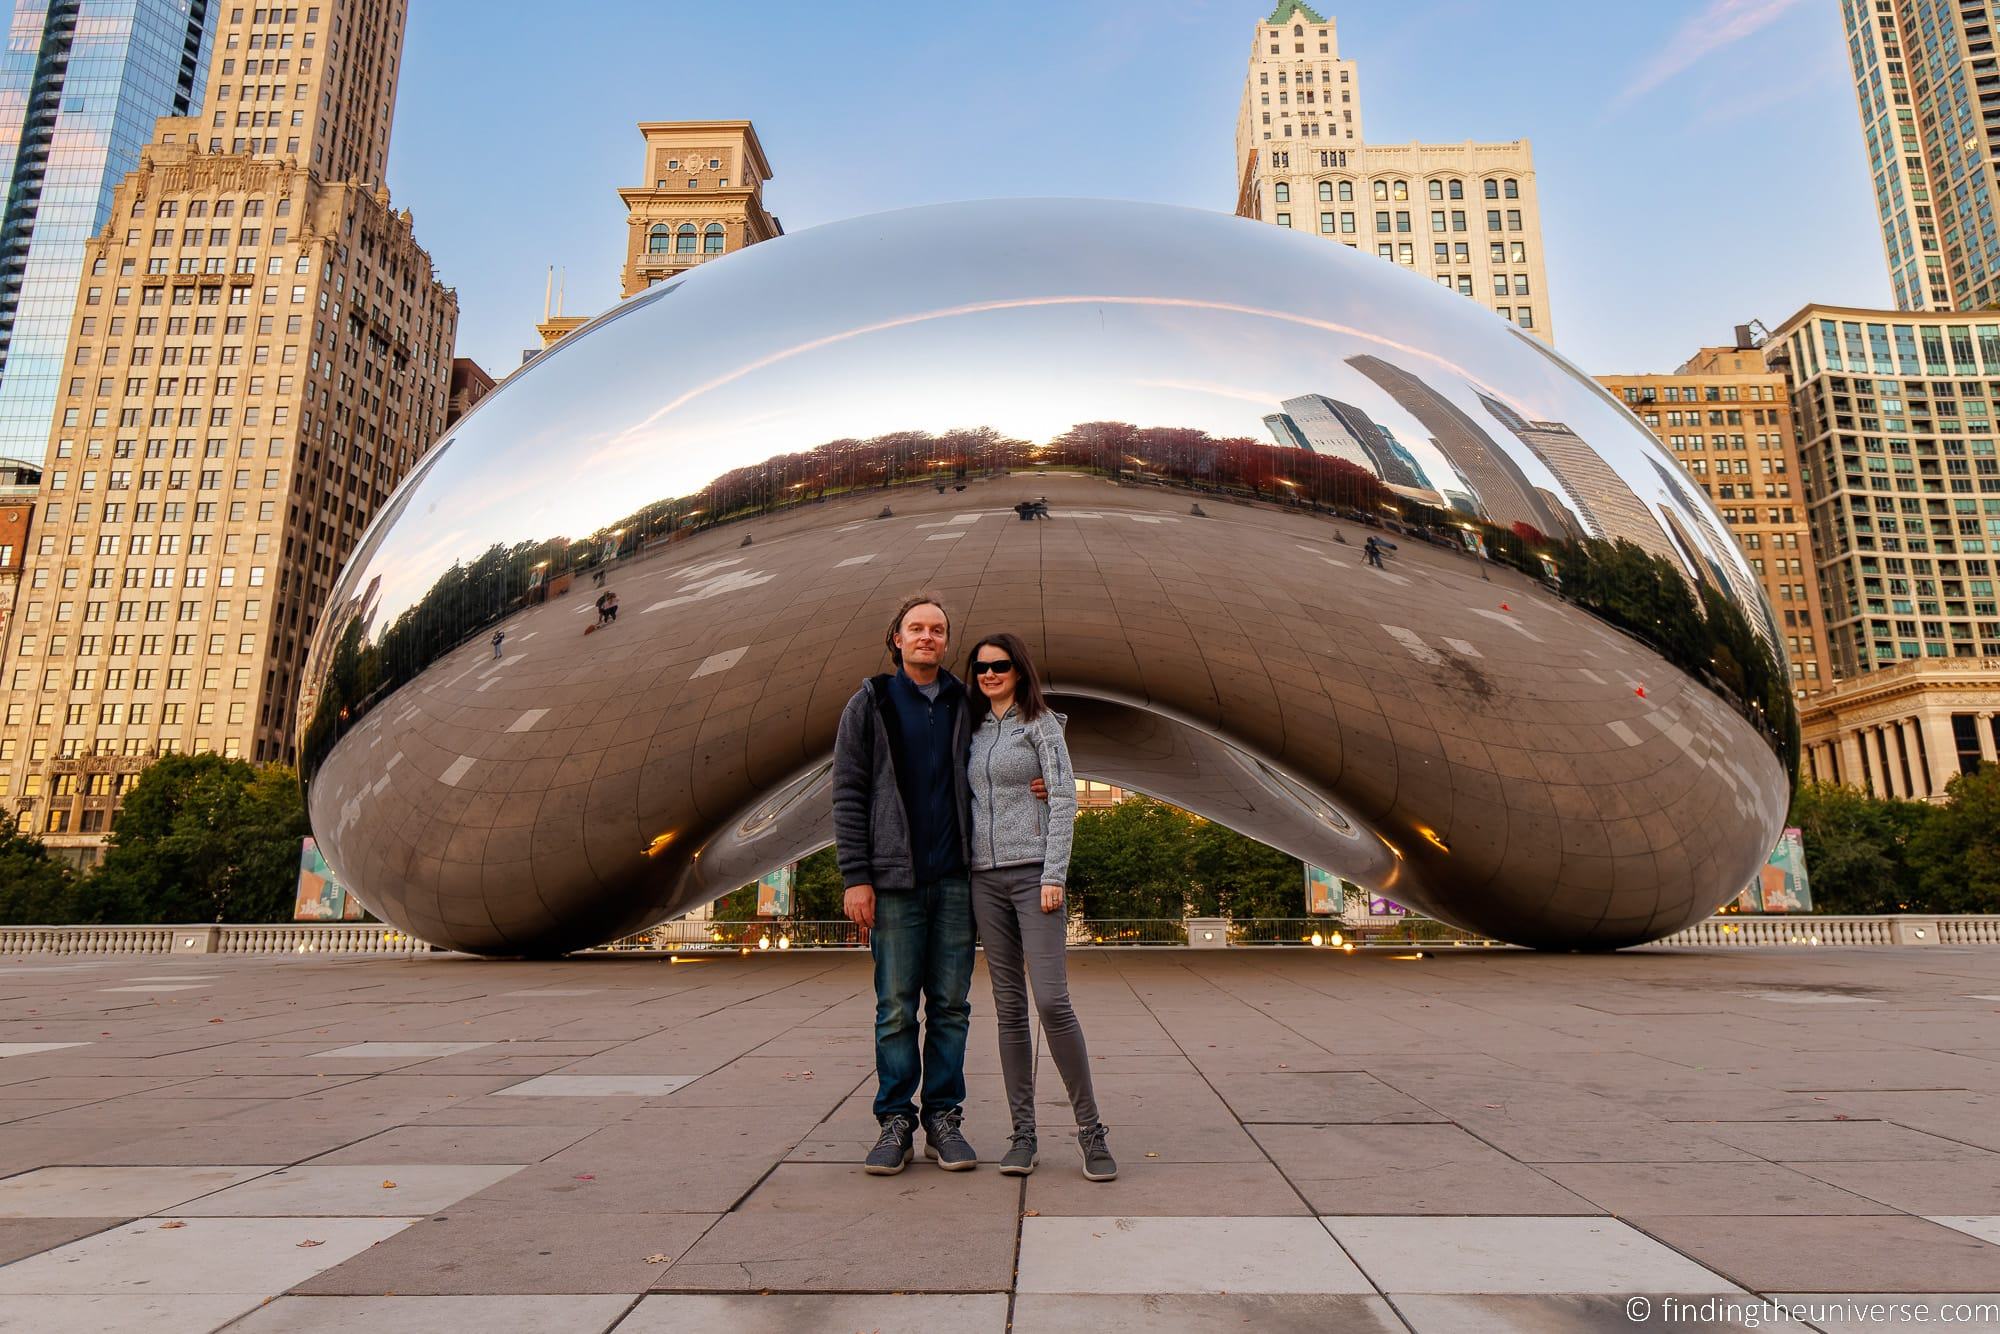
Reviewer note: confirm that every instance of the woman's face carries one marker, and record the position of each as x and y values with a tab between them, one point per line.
996	684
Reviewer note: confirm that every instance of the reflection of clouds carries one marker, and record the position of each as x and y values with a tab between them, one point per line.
637	437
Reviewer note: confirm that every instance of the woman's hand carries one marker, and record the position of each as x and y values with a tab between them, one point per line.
1052	898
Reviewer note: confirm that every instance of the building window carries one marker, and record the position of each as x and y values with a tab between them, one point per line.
1283	192
712	239
1326	197
684	240
1284	219
659	240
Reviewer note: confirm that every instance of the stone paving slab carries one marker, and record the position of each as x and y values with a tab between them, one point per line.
1470	1141
516	1314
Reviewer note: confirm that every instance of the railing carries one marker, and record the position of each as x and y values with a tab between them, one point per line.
1331	931
317	938
274	938
760	936
1786	931
86	939
671	259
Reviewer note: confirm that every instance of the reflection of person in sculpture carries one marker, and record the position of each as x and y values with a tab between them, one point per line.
1020	867
901	830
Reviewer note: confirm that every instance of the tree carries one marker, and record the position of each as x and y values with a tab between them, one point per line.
201	838
35	888
1236	876
1956	850
1131	860
1858	847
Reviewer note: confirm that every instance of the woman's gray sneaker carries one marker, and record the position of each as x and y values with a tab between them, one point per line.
1098	1164
945	1145
892	1151
1021	1156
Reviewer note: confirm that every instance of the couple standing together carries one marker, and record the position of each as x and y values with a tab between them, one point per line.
954	808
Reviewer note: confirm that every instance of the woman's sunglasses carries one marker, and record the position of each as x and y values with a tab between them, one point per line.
993	667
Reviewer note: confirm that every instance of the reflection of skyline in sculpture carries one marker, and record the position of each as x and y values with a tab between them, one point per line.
1700	554
1501	488
1286	432
1402	455
1608	507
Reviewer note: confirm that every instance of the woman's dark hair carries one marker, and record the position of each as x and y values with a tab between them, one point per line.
1027	686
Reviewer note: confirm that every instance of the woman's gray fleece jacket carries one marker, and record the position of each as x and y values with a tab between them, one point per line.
1011	826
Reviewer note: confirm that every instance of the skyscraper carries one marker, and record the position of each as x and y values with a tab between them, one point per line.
81	83
1609	508
1502	489
1922	73
1338	430
1466	215
1409	471
260	351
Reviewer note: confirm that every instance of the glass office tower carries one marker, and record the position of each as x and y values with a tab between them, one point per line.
81	83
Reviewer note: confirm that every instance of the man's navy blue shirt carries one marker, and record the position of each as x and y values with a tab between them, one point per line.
921	733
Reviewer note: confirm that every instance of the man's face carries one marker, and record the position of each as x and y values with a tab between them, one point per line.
922	638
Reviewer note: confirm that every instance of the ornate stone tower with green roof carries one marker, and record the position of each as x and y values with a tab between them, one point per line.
1466	215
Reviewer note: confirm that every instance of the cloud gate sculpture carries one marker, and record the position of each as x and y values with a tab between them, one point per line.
1557	714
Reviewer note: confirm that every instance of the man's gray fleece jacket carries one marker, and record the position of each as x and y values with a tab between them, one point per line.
1011	826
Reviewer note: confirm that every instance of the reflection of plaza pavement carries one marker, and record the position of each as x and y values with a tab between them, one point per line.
1574	777
1474	1141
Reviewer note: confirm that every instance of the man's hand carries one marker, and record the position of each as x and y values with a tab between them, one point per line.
859	905
1052	898
1040	789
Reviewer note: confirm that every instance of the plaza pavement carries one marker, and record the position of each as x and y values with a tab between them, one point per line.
1477	1140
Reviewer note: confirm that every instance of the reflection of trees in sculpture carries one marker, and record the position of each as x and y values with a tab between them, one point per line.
1643	594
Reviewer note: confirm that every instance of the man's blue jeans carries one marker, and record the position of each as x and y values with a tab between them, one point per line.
922	943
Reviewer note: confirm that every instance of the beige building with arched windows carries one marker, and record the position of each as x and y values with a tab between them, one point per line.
1464	215
706	199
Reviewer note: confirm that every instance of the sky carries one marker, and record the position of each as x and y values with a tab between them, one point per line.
1700	161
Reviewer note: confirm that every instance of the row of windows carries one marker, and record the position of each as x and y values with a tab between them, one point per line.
1707	393
161	576
121	678
1387	191
661	239
1400	221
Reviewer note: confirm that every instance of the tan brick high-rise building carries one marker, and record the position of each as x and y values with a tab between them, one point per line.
1728	420
260	352
1466	215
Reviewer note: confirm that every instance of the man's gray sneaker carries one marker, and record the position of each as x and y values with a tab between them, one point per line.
892	1151
1098	1164
945	1145
1021	1156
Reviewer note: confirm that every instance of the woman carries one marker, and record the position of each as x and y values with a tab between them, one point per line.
1020	861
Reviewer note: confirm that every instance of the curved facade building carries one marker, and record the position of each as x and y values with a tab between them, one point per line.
1532	722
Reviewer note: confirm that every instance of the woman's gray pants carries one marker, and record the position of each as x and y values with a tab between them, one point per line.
1007	903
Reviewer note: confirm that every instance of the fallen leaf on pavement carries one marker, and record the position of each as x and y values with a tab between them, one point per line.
1031	1213
586	1176
312	1243
388	1185
1153	1155
175	1223
659	1259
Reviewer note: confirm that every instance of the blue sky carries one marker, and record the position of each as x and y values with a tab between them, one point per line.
1700	161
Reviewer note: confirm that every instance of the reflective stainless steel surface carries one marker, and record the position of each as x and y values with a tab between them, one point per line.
762	457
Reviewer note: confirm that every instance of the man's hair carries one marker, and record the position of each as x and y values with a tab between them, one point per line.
896	623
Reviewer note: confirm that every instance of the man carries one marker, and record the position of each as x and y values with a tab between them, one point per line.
901	827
